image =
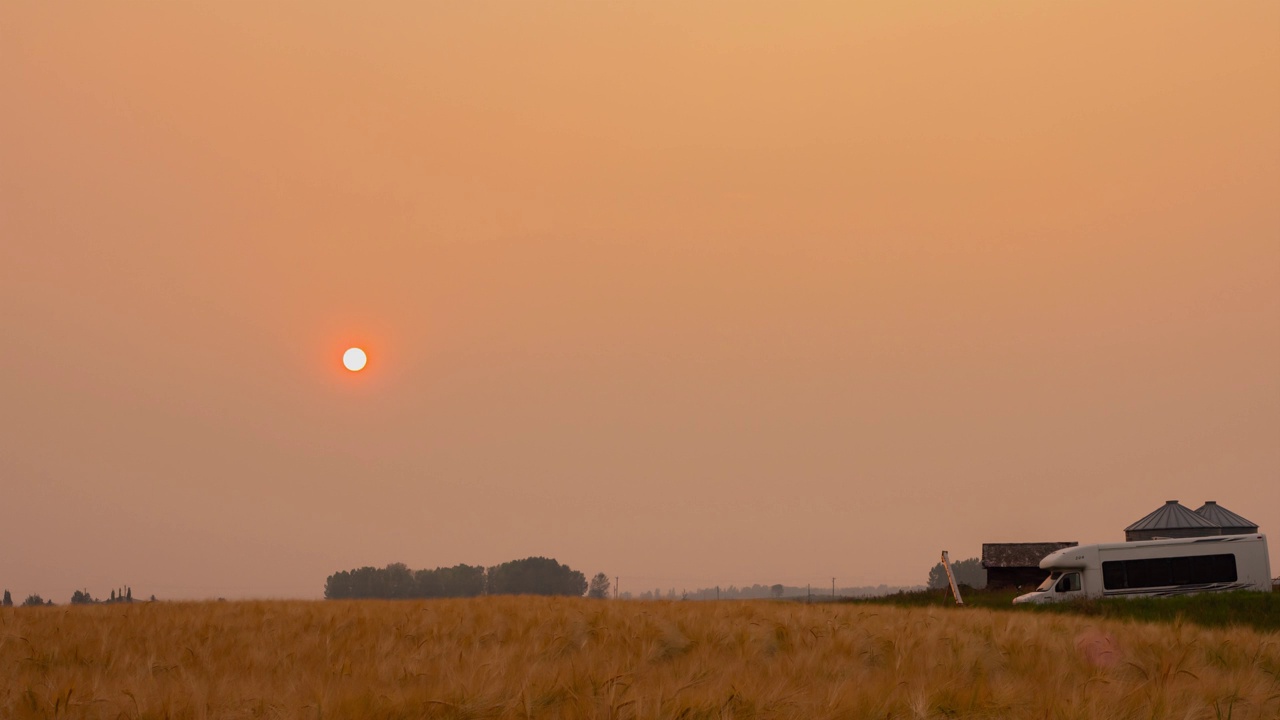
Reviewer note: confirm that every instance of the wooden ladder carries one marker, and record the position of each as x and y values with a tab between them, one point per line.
955	590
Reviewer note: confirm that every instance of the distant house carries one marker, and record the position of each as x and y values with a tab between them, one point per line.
1014	565
1173	520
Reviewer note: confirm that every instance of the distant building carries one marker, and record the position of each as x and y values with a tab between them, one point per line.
1017	564
1173	520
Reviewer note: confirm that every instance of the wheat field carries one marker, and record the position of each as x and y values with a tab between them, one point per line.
530	657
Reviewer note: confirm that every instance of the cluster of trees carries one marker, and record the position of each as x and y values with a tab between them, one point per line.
530	576
31	601
535	576
969	573
398	581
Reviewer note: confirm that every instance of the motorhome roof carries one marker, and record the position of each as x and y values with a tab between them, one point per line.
1173	541
1058	559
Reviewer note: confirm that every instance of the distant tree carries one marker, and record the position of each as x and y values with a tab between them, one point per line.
937	577
457	581
337	586
536	576
599	587
82	598
128	594
465	580
32	601
365	582
968	572
776	590
8	599
398	581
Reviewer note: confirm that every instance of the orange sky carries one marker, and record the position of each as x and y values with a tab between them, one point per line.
692	293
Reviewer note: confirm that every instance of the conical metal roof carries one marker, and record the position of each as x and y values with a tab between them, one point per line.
1215	513
1171	516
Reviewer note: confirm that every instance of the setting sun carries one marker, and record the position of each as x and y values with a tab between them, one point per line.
354	359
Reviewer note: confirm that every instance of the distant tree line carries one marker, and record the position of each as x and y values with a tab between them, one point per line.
530	576
758	591
79	597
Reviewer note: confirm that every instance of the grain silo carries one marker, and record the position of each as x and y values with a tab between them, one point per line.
1229	522
1171	520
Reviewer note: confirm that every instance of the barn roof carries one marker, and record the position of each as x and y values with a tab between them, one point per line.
1171	516
1218	515
1009	555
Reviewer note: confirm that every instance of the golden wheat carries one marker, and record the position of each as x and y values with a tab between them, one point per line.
528	657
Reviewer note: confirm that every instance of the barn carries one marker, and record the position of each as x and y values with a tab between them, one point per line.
1017	565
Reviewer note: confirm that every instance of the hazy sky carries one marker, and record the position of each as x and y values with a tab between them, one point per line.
692	293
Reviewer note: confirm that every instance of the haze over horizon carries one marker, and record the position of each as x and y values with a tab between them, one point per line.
689	293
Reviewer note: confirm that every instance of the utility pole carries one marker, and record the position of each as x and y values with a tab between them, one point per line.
615	587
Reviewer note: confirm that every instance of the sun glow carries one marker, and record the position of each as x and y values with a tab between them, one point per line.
354	359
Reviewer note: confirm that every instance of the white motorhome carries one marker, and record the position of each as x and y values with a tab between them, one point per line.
1216	563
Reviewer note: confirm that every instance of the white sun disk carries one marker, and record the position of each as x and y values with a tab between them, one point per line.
354	359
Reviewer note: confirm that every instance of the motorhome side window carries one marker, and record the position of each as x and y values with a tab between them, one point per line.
1161	572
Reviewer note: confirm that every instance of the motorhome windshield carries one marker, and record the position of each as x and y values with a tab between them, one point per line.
1049	581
